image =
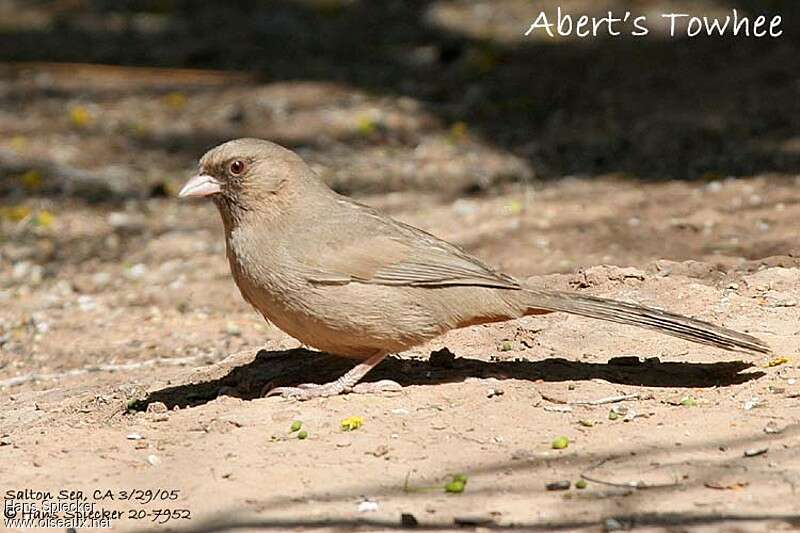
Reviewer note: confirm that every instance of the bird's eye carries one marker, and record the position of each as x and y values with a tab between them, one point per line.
236	167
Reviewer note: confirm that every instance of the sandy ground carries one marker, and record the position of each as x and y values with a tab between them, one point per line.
129	362
160	321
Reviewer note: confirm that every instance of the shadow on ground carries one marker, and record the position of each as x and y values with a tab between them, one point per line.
293	367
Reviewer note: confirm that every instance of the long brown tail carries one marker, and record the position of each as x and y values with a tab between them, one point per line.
645	317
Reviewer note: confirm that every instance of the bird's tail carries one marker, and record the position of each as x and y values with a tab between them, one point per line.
644	317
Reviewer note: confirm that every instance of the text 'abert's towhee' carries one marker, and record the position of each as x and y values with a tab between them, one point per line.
346	279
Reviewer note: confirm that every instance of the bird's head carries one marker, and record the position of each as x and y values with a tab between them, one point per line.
246	175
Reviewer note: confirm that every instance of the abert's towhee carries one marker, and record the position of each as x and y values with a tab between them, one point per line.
346	279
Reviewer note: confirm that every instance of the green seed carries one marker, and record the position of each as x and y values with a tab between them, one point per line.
296	425
688	401
302	435
612	415
506	346
560	443
580	484
461	478
586	423
455	486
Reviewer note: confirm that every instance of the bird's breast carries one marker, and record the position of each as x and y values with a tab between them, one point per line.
353	320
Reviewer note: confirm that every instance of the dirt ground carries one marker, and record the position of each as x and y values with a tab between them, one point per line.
128	360
106	306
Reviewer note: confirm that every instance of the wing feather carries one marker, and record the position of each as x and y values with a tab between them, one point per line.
397	254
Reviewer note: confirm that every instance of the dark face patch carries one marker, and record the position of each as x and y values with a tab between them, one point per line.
231	172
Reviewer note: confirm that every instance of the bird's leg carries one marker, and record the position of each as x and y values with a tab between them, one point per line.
346	383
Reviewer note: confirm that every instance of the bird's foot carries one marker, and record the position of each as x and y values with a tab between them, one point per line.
309	391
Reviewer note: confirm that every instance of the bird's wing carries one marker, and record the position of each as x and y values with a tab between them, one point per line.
392	253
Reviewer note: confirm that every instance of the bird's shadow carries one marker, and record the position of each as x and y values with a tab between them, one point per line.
292	367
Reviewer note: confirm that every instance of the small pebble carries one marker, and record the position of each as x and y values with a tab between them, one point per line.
86	303
753	452
752	403
157	408
380	451
367	506
137	271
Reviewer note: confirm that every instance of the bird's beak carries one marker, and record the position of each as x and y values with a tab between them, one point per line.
201	185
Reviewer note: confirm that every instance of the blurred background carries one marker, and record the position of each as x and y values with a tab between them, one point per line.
540	155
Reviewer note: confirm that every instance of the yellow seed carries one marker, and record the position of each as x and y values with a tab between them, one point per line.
365	126
80	117
777	361
45	219
352	423
515	207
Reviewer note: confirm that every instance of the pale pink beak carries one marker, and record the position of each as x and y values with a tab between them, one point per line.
201	185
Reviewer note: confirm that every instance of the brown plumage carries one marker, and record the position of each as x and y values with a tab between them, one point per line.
346	279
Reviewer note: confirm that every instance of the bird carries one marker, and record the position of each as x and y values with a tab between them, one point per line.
346	279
